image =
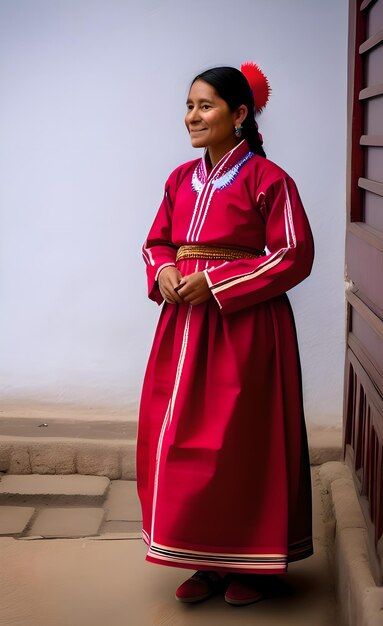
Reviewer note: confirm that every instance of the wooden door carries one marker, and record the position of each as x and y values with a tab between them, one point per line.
363	407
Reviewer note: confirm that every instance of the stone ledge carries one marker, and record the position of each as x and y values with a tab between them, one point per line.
56	485
48	455
360	600
73	487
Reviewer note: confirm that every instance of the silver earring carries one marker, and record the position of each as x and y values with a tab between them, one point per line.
238	131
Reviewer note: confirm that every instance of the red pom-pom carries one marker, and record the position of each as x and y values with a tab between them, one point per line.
258	83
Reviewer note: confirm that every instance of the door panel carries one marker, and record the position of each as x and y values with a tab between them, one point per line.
374	164
374	66
374	117
365	269
373	211
374	17
363	407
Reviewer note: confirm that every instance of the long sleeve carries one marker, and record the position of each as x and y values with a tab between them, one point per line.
290	252
158	250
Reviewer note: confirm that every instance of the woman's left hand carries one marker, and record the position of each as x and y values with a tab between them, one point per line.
194	288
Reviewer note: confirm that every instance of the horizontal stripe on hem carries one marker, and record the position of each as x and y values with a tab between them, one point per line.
172	556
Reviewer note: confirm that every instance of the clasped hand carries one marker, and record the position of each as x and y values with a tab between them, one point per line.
176	288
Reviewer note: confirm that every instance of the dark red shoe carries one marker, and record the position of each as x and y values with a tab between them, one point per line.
244	589
199	587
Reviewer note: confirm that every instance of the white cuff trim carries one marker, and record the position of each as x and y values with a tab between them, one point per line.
163	267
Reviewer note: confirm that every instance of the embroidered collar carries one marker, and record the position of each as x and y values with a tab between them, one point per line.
225	171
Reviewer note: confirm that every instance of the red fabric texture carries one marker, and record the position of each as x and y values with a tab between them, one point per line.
222	459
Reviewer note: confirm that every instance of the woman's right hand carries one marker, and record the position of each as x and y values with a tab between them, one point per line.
168	279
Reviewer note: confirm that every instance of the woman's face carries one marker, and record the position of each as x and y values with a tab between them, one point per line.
209	120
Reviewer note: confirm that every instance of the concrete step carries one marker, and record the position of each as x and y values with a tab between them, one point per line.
34	505
44	488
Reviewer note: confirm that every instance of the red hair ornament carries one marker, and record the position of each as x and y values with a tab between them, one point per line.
258	83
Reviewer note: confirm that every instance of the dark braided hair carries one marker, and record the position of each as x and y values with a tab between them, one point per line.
232	86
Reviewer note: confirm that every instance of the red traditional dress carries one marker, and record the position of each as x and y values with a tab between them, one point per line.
222	459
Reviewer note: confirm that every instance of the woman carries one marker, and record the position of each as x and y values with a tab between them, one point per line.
222	462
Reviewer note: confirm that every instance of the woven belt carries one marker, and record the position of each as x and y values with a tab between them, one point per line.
212	252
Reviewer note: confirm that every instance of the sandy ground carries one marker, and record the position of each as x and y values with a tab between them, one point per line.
97	582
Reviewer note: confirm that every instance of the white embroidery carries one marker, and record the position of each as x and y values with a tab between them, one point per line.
197	184
231	175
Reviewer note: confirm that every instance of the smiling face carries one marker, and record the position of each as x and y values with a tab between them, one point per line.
210	121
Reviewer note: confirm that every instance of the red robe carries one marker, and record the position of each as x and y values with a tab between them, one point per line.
222	458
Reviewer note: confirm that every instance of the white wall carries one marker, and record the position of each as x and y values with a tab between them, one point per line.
91	123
